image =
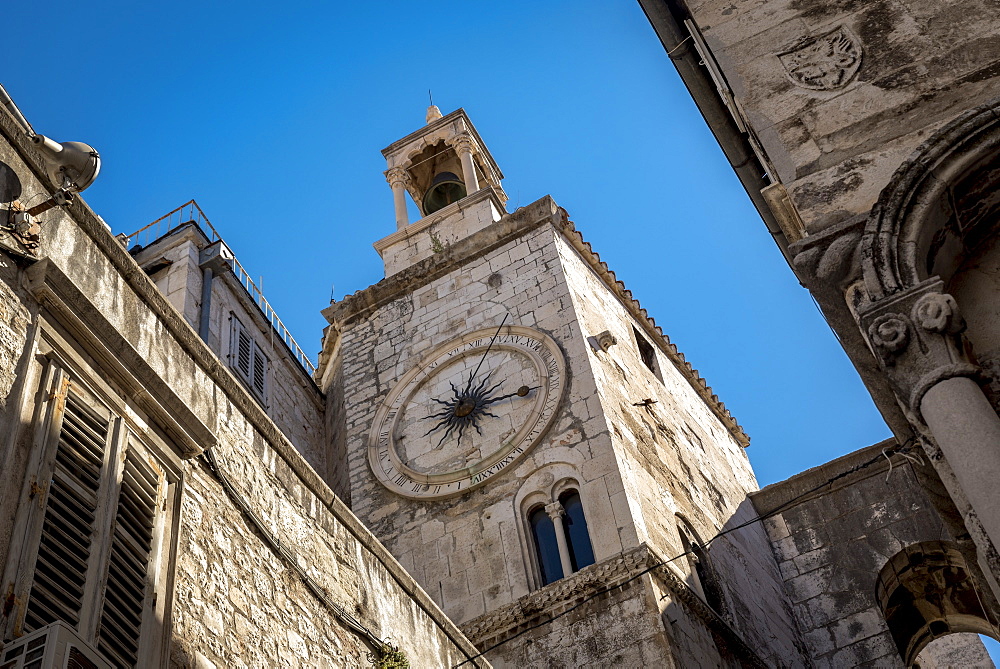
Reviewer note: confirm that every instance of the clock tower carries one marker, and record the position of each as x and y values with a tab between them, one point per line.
519	434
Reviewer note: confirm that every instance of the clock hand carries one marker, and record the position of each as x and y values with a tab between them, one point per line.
472	376
520	392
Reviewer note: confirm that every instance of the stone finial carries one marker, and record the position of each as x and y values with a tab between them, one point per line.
433	113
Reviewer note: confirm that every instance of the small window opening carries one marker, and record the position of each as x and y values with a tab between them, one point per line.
248	360
703	579
562	541
646	353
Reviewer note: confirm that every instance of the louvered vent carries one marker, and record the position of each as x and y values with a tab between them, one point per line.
131	546
78	660
65	544
259	371
245	353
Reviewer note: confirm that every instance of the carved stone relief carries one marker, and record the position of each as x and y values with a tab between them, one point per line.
916	336
823	63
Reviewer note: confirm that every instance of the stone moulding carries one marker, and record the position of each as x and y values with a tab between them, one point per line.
907	208
605	576
829	258
364	302
557	596
54	290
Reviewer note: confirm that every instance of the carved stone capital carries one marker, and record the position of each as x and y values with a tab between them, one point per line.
555	510
462	143
397	175
889	334
938	312
916	336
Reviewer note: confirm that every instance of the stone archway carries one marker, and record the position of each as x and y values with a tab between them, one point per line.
941	207
942	199
927	591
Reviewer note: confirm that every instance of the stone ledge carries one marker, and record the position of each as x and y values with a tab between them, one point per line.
779	495
603	577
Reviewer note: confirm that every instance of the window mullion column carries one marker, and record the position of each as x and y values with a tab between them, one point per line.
555	511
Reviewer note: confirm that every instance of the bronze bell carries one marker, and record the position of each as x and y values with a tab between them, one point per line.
445	189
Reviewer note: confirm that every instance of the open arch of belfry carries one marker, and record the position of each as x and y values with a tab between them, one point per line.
927	591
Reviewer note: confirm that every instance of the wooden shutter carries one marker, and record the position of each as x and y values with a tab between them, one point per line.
132	543
248	360
244	351
64	550
259	371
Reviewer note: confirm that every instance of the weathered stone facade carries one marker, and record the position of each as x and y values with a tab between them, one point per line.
832	543
867	135
252	560
151	422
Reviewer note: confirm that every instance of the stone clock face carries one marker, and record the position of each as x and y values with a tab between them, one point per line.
466	412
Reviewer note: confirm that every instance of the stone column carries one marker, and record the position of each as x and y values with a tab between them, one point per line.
399	180
916	335
555	511
967	431
463	146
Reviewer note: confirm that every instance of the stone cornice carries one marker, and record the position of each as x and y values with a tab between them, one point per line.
488	193
548	601
363	302
543	604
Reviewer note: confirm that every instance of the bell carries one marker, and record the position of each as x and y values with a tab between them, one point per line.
445	189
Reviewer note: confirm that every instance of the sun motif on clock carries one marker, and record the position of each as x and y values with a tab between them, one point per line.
470	409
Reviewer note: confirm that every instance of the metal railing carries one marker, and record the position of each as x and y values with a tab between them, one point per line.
190	212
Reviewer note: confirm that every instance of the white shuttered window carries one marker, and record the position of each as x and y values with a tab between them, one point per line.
95	528
248	360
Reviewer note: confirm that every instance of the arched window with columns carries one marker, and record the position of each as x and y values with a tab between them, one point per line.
561	539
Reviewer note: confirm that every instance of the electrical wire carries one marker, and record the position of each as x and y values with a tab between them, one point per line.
901	449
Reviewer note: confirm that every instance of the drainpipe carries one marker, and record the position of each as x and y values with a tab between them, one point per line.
206	302
678	44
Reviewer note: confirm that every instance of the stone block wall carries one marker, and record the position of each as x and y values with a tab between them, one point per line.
471	552
679	460
831	545
906	68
